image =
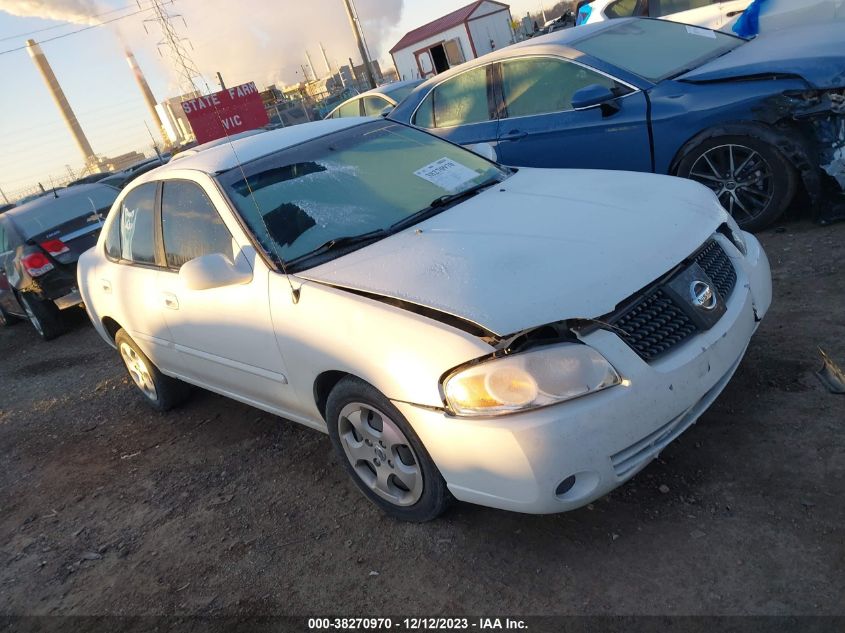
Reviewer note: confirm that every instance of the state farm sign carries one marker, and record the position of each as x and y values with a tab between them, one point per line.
226	112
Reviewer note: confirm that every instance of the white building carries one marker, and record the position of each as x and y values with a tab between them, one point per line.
467	33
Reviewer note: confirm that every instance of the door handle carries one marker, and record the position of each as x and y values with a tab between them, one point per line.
513	135
170	301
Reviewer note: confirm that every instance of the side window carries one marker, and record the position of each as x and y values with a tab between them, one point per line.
353	108
540	85
621	9
460	100
374	105
190	224
136	221
112	242
3	246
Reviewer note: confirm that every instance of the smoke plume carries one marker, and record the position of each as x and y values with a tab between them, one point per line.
74	11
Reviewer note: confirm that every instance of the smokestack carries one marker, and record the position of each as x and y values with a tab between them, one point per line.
311	65
146	92
326	59
55	89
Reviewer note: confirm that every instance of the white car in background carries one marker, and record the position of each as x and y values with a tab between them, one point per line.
523	339
712	14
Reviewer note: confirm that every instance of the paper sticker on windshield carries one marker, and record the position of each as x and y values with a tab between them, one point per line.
447	174
697	30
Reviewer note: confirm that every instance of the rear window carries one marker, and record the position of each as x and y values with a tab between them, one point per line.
51	212
657	49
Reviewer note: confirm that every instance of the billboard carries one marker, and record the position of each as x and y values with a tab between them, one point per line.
227	112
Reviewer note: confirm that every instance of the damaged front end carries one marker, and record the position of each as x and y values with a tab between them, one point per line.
820	117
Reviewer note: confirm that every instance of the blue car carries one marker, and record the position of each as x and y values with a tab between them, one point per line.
755	120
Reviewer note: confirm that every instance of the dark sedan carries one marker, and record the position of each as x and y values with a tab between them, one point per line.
40	243
753	120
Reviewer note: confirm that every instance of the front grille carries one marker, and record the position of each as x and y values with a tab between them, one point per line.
716	263
653	323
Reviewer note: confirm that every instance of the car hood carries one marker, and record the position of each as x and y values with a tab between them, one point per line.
543	246
813	51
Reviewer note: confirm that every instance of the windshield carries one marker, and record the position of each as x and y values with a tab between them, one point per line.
657	49
364	179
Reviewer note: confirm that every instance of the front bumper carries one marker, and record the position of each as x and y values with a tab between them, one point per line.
517	462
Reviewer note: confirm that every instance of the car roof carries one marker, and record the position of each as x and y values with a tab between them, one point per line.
243	150
560	43
47	199
387	89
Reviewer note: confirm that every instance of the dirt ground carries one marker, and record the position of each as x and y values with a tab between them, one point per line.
109	508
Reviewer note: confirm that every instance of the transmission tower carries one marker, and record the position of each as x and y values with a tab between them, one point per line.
177	47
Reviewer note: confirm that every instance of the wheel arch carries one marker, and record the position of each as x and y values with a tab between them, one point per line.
111	327
786	138
323	385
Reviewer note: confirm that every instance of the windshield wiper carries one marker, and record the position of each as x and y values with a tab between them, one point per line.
342	242
466	193
436	205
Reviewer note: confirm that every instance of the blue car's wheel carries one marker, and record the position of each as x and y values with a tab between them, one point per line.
752	179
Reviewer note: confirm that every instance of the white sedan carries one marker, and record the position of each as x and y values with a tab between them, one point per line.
523	339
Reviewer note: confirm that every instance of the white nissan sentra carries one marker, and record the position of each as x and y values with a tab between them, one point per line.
523	339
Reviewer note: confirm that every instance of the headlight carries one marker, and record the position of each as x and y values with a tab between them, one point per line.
735	235
528	380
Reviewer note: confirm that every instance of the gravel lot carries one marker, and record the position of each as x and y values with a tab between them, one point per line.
218	508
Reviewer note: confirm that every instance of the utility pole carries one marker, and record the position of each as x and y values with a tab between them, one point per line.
220	81
5	199
355	23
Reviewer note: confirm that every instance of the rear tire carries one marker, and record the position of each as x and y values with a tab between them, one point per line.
382	454
160	392
44	316
752	179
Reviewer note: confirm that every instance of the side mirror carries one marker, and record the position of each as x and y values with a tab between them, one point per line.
485	150
213	271
592	95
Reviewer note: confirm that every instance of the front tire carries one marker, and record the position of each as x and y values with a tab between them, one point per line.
752	179
160	392
382	454
44	316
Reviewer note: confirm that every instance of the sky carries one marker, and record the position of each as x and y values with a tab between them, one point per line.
247	40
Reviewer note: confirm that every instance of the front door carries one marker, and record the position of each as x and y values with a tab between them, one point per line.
223	337
540	128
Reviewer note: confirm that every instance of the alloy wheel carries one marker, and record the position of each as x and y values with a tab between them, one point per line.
739	176
138	370
380	453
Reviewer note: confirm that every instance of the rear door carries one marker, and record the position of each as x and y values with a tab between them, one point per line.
462	109
540	128
129	285
7	255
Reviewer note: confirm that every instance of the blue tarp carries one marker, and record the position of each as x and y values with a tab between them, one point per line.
748	23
